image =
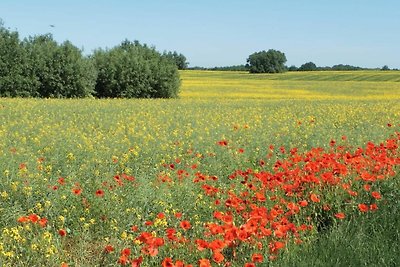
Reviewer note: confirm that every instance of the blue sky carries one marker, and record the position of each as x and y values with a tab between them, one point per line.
218	33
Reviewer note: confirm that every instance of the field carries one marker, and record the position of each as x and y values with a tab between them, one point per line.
295	169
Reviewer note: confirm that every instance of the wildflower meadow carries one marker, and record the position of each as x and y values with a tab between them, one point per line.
240	170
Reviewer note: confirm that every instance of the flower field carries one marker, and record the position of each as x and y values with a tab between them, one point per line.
240	171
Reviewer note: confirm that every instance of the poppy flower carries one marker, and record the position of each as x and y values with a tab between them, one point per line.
100	193
136	262
42	222
217	256
303	203
362	207
62	232
126	251
223	143
108	249
76	191
33	218
314	198
249	264
185	225
23	219
376	195
340	215
167	262
204	263
257	257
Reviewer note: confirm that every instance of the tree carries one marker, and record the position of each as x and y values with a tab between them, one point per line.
178	59
272	61
309	66
134	70
385	67
292	68
15	79
60	69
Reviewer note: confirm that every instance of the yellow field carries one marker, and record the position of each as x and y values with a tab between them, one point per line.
89	142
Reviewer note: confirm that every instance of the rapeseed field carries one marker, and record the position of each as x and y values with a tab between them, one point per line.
239	171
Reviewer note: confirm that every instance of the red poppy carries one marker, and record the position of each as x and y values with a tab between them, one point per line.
257	257
185	225
303	203
167	262
76	191
62	232
314	198
109	249
61	181
23	219
362	207
204	263
123	260
376	195
223	143
136	262
340	215
249	264
373	206
100	193
43	222
33	218
217	256
126	251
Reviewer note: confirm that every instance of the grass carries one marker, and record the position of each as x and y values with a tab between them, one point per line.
166	144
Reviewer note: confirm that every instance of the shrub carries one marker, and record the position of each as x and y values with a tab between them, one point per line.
60	69
134	70
14	66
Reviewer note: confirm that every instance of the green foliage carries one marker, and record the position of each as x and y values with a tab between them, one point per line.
309	66
61	70
385	67
272	61
134	70
14	66
178	59
293	68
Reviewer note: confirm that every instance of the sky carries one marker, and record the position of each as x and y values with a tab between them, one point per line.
363	33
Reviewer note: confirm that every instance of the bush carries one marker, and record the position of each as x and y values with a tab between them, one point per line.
14	67
133	70
272	61
309	66
61	70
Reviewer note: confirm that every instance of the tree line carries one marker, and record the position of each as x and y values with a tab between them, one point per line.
273	61
38	66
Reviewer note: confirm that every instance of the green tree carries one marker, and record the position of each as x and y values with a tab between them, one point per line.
272	61
178	59
385	67
309	66
60	69
15	76
134	70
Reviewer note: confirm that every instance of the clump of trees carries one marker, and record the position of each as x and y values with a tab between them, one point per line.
40	67
271	61
179	59
309	66
134	70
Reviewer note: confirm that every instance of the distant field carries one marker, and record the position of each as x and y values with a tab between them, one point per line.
293	85
241	169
